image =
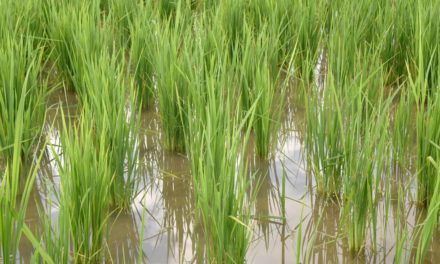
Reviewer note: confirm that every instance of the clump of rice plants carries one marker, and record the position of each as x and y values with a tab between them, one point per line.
260	75
172	87
23	18
428	121
76	37
323	142
365	147
20	84
431	222
14	195
427	105
121	13
346	140
111	101
307	22
143	46
214	139
426	42
402	132
85	182
399	32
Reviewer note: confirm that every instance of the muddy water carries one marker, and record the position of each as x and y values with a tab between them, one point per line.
160	227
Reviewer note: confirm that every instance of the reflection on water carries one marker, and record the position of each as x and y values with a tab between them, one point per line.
178	203
123	239
25	248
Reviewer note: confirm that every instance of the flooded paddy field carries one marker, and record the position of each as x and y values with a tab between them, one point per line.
237	131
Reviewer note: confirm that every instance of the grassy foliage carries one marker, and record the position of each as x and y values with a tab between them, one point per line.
76	37
86	179
431	221
260	74
426	99
14	195
215	72
172	88
20	84
110	100
214	139
142	53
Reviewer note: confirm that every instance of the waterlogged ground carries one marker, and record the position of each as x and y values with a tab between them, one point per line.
161	227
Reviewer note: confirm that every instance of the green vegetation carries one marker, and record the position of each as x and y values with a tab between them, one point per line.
20	86
142	50
431	221
172	88
218	168
14	195
219	76
85	182
76	37
115	117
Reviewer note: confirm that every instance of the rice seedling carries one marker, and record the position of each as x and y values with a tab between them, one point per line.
427	40
364	175
323	140
347	126
22	18
427	123
85	182
431	222
76	37
111	101
19	83
121	14
402	132
171	85
268	112
427	133
14	196
259	74
143	45
307	23
398	21
214	139
365	137
231	18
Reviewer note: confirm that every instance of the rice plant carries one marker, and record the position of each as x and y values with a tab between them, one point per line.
347	126
398	37
171	65
20	84
364	140
259	74
323	141
121	14
85	182
431	222
307	21
426	100
14	196
402	132
23	18
143	46
426	42
76	37
111	100
214	139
